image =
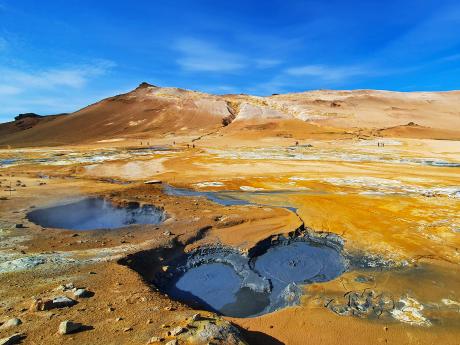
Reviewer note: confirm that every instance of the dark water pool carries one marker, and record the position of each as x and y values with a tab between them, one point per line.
220	286
95	213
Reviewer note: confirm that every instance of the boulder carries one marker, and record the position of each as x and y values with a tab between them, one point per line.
11	323
177	330
12	339
67	327
82	293
62	302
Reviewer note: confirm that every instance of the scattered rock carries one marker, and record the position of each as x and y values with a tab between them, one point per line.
154	340
167	233
153	182
67	327
65	287
172	342
40	305
127	329
12	339
196	317
82	293
20	226
177	330
11	323
212	330
62	302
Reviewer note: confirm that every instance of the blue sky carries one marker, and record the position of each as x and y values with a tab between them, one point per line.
58	56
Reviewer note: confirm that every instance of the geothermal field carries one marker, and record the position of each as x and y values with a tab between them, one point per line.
169	216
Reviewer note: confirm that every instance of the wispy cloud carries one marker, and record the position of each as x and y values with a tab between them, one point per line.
14	81
328	73
72	76
437	33
3	44
201	56
267	63
7	90
23	90
449	58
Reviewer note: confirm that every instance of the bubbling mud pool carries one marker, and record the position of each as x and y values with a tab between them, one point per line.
232	284
95	213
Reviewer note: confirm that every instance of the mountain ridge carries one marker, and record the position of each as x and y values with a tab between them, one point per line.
153	111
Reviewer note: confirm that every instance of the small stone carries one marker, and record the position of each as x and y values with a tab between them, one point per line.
165	268
40	305
65	287
196	317
118	319
127	329
20	226
67	327
153	340
62	302
110	309
11	323
153	182
82	293
177	330
149	321
12	339
167	233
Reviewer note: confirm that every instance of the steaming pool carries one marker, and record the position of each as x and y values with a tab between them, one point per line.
95	213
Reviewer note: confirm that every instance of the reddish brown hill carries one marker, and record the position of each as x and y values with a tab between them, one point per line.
155	112
146	111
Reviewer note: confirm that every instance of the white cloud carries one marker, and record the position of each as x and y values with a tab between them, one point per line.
267	63
7	90
51	90
73	76
3	44
201	56
328	73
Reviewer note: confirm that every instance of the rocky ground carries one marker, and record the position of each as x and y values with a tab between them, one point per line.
394	209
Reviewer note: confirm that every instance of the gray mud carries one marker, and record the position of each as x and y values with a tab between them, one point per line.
225	281
95	213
